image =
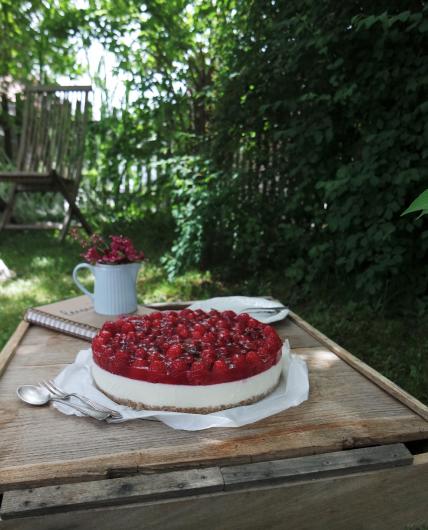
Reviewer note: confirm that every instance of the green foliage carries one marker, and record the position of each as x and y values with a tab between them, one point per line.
38	40
420	204
164	50
319	140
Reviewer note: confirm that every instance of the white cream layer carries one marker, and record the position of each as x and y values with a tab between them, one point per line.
186	396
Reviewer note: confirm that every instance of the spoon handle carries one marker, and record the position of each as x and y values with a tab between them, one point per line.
96	414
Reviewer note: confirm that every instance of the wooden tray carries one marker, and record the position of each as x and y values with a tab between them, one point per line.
350	406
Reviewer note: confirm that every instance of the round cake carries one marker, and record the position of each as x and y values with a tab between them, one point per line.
187	361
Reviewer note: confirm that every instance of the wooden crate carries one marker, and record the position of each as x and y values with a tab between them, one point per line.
339	460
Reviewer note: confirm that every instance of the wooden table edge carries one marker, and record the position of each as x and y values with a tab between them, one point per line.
11	345
370	373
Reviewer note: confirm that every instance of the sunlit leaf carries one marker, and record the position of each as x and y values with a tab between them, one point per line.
420	203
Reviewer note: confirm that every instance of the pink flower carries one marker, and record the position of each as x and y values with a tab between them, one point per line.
92	255
120	249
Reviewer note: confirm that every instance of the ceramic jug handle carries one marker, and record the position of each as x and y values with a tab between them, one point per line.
76	281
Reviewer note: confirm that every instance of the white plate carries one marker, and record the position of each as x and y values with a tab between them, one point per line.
239	304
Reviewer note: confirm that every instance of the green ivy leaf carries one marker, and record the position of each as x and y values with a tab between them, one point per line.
420	203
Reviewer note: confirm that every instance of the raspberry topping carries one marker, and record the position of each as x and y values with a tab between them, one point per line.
187	347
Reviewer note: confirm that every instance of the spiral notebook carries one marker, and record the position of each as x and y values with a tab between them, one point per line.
75	317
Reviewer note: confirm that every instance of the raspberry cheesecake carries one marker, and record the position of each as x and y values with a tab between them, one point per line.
188	361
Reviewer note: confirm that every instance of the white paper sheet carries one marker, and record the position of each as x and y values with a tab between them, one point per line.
292	391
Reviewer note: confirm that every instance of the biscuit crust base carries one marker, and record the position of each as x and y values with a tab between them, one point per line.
193	410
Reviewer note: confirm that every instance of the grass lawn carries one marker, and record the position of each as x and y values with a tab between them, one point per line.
392	342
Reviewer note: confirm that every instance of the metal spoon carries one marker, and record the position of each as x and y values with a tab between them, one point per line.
35	395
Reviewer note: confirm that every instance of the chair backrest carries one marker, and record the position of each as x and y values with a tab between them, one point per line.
53	130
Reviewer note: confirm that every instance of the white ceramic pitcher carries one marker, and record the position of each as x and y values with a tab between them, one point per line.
115	291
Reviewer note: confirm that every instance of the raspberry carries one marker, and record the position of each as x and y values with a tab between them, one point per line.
155	357
254	361
252	357
208	351
252	323
178	366
97	344
220	367
109	326
126	327
138	368
222	352
273	343
158	367
182	331
209	337
106	335
198	374
238	361
208	358
197	334
161	343
141	353
225	336
223	324
198	366
131	336
233	349
174	351
187	357
240	326
122	356
188	314
171	316
198	331
264	353
140	363
269	330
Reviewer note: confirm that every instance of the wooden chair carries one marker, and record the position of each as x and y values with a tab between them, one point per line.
51	150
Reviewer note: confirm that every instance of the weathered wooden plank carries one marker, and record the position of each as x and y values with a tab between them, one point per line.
369	372
391	499
59	88
48	225
11	345
316	466
140	488
15	175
